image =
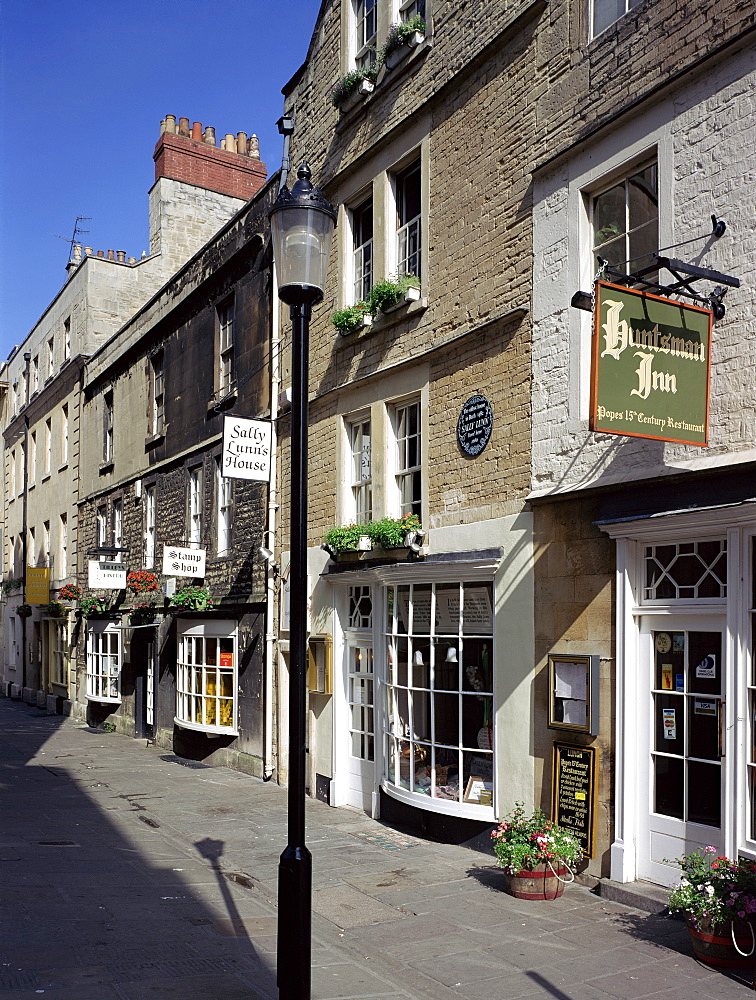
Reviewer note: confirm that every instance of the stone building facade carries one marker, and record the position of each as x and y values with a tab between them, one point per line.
517	121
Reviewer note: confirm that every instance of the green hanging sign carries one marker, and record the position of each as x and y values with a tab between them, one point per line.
650	366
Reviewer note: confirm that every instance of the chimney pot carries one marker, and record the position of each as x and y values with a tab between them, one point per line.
197	131
183	127
230	142
209	135
241	143
101	253
111	255
131	260
170	124
253	147
87	251
121	255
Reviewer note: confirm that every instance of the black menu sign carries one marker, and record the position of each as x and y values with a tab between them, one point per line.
573	791
474	425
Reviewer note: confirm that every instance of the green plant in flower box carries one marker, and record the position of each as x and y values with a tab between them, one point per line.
92	606
192	599
351	319
400	34
388	533
388	293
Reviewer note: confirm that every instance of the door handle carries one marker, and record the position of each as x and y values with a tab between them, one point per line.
721	727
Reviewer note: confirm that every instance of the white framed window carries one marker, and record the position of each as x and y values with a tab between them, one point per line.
194	533
685	571
118	523
410	9
224	495
149	527
207	678
21	457
625	217
12	473
361	469
45	553
407	424
365	32
225	347
103	662
107	431
62	570
50	357
64	434
362	253
31	547
157	393
101	525
606	12
439	690
48	447
35	374
408	191
33	458
67	339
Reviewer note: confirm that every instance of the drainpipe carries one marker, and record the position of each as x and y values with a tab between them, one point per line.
24	523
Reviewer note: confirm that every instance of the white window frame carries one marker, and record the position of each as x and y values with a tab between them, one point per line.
62	570
67	339
613	181
409	8
101	525
194	511
199	701
32	459
149	526
224	508
46	544
360	467
31	547
118	524
48	448
58	651
628	5
409	232
50	357
104	651
35	374
365	31
64	434
226	318
363	255
405	472
157	393
107	440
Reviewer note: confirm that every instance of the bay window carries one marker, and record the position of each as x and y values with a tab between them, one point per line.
207	676
103	662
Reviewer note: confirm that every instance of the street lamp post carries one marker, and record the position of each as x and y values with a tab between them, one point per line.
302	223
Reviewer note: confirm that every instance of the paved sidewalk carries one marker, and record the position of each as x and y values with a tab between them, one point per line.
128	873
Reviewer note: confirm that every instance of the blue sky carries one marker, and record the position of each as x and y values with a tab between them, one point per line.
85	85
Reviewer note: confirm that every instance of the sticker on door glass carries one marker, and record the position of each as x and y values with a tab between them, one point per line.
707	667
666	676
678	642
702	707
679	682
663	642
670	725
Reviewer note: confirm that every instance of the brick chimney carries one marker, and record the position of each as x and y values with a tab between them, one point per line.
192	157
198	186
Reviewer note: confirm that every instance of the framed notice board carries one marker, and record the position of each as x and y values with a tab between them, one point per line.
573	792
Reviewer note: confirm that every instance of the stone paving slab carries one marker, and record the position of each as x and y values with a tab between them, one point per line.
168	889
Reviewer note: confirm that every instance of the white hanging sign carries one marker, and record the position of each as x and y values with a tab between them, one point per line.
107	575
246	449
183	562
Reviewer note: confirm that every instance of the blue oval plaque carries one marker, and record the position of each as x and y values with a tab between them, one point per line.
474	425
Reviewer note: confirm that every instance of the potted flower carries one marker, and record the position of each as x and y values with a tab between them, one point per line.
353	86
70	592
718	899
55	610
401	38
352	319
12	585
93	606
142	614
388	533
392	292
24	610
142	582
538	856
192	599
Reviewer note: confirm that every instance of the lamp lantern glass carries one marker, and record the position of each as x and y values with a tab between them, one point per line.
301	223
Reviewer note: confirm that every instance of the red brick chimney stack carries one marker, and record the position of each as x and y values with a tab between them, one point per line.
190	155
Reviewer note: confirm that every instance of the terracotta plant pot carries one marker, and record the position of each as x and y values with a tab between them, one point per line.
540	883
712	944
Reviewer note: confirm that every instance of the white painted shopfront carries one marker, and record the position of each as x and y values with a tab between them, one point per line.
685	689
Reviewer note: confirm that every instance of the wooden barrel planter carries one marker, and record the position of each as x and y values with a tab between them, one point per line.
713	945
540	883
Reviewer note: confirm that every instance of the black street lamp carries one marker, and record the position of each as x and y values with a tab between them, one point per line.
301	223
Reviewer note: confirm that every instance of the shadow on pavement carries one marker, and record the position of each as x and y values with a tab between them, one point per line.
97	905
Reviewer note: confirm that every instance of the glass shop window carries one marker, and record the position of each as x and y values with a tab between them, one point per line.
207	677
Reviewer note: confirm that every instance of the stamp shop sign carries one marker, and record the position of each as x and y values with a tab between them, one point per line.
474	425
183	562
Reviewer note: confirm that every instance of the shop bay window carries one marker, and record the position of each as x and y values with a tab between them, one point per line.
103	662
438	728
207	676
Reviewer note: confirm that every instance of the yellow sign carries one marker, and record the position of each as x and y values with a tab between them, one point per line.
37	585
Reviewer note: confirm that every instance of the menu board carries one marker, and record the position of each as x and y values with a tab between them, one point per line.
573	791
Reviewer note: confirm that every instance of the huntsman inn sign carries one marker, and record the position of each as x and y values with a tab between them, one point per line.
650	366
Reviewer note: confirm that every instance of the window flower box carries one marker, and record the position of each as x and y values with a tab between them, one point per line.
394	292
352	88
352	319
402	38
389	537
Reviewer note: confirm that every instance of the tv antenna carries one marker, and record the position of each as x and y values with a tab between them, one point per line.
76	231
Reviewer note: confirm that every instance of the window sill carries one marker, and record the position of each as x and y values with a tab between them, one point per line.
153	440
63	467
31	487
106	467
199	727
222	402
102	700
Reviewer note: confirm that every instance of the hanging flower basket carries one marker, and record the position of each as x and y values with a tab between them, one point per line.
24	610
142	614
55	610
70	592
141	582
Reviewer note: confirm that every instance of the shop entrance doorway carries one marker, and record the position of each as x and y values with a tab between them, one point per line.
682	776
360	753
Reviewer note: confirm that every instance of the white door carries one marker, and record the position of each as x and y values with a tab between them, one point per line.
681	732
360	732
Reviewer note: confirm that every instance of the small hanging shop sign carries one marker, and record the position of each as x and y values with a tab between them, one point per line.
183	562
246	448
37	585
650	366
106	575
